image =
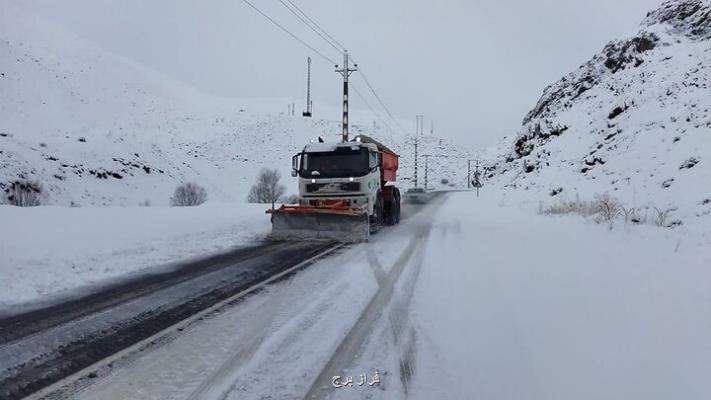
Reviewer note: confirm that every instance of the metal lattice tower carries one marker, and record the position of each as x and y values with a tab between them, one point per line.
307	113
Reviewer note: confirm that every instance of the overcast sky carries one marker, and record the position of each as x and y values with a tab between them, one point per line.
474	67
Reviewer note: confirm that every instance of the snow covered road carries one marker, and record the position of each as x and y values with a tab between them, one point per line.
465	299
43	346
287	332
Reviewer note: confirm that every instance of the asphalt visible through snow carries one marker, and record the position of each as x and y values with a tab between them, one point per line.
44	346
41	348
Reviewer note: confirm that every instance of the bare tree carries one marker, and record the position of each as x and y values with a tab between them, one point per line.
267	189
188	194
25	193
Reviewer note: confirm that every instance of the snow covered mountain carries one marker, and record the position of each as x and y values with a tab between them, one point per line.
634	121
99	129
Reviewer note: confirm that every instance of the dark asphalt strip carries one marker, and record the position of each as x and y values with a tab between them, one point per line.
25	324
242	271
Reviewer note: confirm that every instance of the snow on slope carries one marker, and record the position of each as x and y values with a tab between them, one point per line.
634	121
98	129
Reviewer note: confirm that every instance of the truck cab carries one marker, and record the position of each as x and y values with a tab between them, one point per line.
343	171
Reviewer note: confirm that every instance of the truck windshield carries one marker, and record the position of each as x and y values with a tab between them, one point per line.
338	164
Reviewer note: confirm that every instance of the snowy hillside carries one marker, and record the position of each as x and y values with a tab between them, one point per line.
98	129
634	121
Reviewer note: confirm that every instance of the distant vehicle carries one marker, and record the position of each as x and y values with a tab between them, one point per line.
416	195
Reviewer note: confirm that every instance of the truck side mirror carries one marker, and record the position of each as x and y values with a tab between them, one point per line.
295	165
373	160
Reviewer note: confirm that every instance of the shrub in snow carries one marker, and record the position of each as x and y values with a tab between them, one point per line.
563	207
267	189
661	216
608	208
188	194
25	193
604	207
631	214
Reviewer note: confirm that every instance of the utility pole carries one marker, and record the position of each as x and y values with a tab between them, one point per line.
417	134
307	113
477	176
345	72
427	157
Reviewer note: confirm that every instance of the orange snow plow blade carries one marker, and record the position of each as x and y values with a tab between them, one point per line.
325	222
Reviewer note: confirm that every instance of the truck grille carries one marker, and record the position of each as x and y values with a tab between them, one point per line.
350	187
333	187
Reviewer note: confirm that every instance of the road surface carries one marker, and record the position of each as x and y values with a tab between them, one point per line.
467	298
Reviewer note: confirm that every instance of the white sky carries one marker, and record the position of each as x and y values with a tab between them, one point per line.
474	67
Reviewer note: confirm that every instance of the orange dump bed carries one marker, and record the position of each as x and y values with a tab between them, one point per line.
390	164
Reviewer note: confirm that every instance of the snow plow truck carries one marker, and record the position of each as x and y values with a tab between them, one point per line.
346	192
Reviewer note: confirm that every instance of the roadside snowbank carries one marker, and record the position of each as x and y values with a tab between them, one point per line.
511	305
46	251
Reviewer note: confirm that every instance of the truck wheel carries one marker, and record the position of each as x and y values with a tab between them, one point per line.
376	219
396	211
389	215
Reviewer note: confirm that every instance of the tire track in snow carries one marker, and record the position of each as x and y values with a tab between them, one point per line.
72	384
213	387
351	346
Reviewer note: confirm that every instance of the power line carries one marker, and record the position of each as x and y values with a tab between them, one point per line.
342	49
289	32
333	43
375	113
380	100
317	25
326	39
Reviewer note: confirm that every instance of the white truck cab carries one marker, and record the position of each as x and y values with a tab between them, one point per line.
347	171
